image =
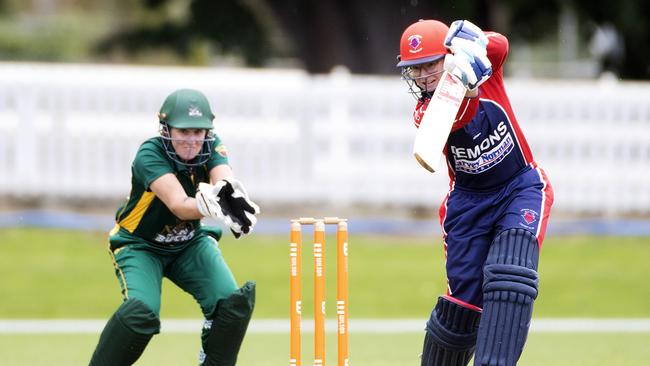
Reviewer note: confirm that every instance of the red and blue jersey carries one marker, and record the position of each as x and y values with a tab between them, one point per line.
486	147
495	183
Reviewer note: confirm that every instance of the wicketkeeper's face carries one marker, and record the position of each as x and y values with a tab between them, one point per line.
187	142
427	75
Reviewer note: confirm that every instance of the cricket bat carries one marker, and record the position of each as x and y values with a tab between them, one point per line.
431	136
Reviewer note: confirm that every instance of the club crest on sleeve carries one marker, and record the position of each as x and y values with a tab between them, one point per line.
529	216
221	150
415	43
193	111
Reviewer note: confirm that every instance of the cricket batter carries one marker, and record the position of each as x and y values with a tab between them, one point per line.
159	234
495	214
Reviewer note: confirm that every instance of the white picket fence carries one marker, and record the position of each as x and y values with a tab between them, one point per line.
70	132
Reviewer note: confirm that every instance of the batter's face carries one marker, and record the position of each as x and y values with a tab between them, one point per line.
187	142
427	76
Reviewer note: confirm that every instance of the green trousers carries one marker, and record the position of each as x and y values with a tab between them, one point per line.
199	269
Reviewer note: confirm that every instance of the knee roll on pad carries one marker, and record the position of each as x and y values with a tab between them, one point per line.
228	327
450	334
137	316
126	335
510	284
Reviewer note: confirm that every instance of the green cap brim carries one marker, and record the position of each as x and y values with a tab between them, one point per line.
203	123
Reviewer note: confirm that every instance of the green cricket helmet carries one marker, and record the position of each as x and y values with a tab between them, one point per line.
186	108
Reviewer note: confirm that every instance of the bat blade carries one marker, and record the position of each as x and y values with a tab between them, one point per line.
436	123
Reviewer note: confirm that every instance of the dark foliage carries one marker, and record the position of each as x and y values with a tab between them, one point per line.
364	34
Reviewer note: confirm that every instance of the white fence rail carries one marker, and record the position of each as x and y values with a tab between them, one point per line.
70	131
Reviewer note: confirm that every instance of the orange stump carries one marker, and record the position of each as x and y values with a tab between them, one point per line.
342	292
319	293
319	289
295	248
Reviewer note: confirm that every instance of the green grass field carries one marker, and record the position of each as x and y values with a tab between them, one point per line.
63	274
401	349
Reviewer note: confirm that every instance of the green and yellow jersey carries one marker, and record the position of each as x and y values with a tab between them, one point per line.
145	216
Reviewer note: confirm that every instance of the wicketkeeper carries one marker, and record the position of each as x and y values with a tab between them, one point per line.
178	178
495	214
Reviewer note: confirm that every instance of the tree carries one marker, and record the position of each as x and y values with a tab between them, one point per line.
230	25
360	34
630	19
364	34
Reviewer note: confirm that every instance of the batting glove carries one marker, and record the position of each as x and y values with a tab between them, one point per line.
468	31
468	59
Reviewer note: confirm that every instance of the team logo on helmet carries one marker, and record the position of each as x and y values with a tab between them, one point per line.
415	43
193	111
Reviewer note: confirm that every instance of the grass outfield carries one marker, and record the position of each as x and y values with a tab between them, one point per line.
68	274
542	349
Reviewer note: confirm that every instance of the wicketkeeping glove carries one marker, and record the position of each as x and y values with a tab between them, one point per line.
207	202
236	206
468	59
